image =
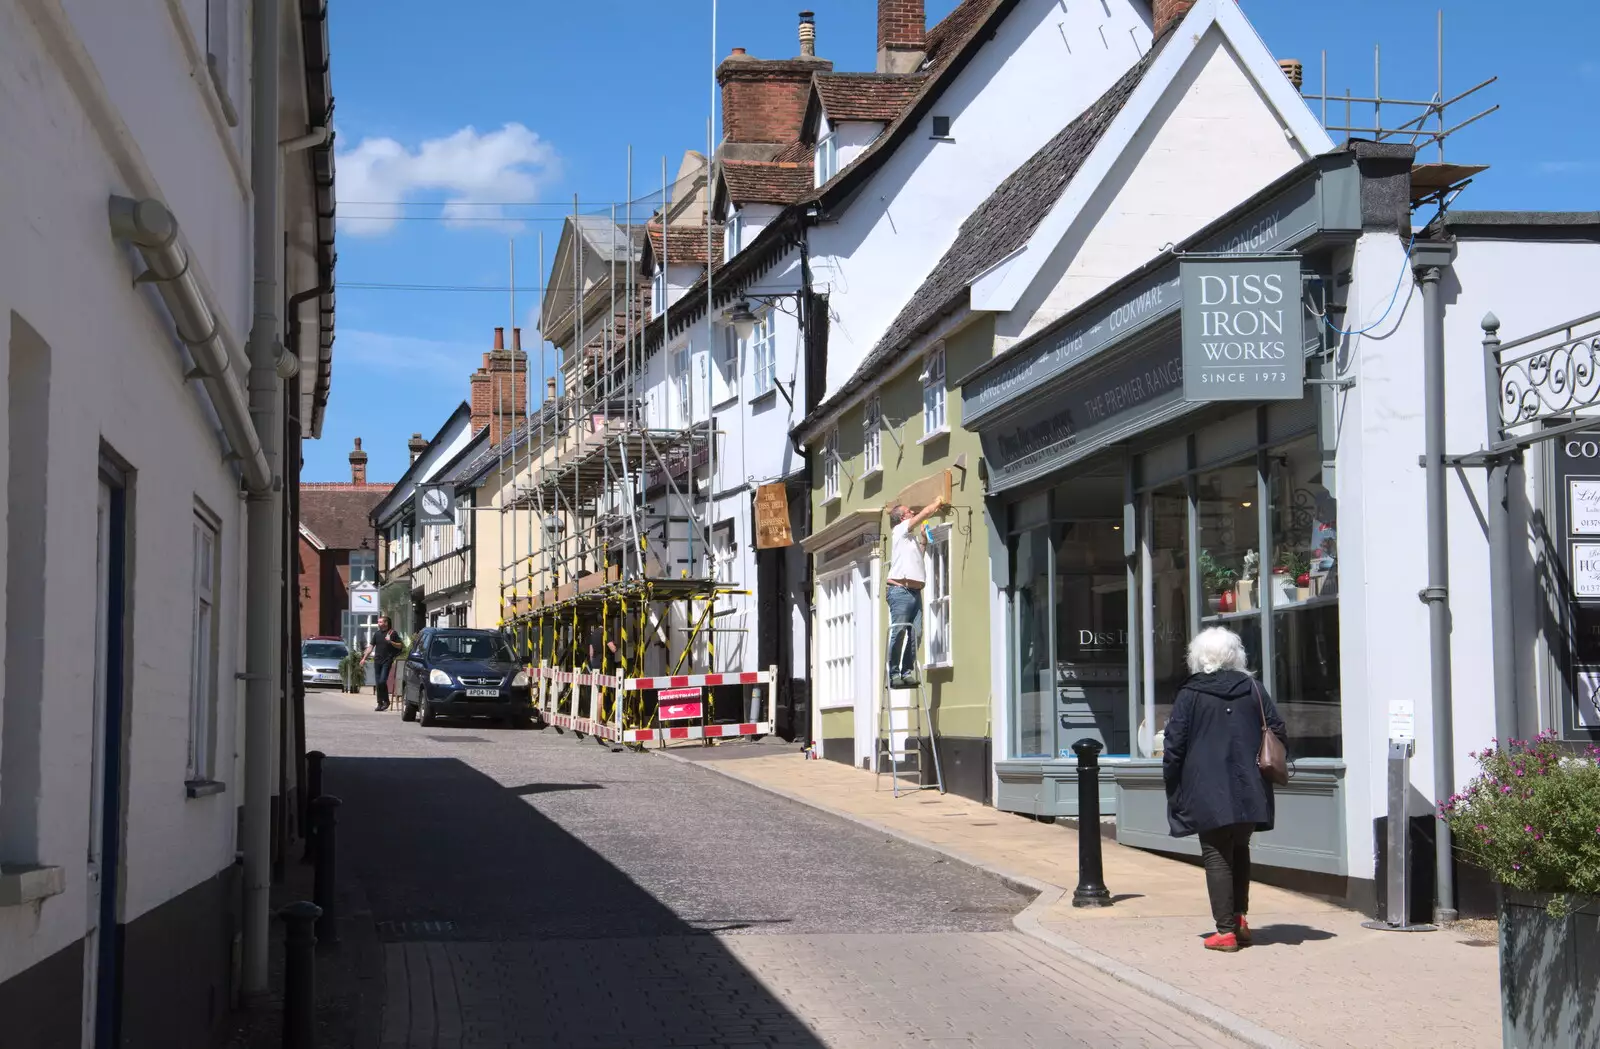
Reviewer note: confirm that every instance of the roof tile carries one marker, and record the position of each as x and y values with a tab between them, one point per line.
687	244
874	97
773	182
336	513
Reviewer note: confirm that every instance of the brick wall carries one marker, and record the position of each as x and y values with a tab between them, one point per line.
1168	11
764	101
901	24
310	587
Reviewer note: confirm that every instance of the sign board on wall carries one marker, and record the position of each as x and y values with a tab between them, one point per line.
436	505
1243	329
364	599
772	517
1576	503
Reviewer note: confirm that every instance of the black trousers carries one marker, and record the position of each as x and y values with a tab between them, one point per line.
1226	854
381	672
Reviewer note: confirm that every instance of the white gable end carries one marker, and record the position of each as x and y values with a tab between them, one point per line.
1210	141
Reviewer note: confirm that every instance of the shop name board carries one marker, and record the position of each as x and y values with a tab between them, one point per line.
1243	329
1083	413
1577	505
772	517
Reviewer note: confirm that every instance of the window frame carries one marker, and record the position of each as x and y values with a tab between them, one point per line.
935	398
658	291
732	234
826	163
836	638
872	436
205	644
360	561
830	467
764	354
936	603
682	405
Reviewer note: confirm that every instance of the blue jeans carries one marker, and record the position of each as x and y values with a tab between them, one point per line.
905	629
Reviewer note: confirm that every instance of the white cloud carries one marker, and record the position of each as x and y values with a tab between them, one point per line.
401	355
468	168
1568	167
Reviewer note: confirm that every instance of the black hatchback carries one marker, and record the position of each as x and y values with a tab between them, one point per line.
456	672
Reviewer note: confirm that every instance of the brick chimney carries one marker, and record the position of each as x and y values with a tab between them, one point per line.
358	465
902	32
416	446
764	100
1167	12
500	387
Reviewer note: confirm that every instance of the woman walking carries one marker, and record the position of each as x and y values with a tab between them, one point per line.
1215	786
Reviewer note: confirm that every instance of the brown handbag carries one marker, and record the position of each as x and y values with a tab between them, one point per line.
1273	760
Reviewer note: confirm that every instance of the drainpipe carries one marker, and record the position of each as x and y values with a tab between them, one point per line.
264	508
1430	260
1502	611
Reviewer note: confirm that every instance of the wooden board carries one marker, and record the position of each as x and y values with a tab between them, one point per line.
772	517
920	493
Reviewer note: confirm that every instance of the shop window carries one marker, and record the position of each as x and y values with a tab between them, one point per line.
1228	515
872	437
1305	602
1030	570
1090	601
1167	599
836	608
936	631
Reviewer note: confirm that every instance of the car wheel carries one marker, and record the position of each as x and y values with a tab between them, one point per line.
408	712
427	711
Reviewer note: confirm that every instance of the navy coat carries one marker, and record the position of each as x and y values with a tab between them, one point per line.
1209	761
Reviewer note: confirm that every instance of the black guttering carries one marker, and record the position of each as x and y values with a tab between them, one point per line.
319	106
384	510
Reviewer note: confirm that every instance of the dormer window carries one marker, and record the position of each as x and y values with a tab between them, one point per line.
658	291
733	235
827	159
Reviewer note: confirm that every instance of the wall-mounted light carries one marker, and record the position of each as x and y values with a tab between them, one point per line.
1245	504
743	321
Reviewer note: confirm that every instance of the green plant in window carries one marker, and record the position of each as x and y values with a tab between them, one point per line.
1215	576
1293	561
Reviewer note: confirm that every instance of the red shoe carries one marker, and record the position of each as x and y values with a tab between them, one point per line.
1222	941
1243	935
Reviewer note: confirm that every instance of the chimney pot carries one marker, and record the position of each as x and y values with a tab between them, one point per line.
516	340
499	338
902	34
358	464
1293	70
808	34
550	388
737	51
416	446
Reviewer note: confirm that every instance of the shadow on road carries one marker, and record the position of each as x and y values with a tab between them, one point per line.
544	938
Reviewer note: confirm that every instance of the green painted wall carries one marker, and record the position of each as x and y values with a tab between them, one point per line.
959	692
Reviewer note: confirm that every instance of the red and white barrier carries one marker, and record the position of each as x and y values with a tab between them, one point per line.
586	704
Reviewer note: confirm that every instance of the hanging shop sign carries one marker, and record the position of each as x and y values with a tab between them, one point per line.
436	505
1243	328
772	517
364	599
1577	506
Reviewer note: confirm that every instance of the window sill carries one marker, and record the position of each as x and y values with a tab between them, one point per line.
946	665
943	431
942	138
837	704
766	396
830	501
26	884
876	471
732	398
203	788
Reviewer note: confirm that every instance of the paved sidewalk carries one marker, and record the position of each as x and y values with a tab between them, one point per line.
1315	978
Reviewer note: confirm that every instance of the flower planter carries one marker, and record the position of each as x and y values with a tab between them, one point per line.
1549	973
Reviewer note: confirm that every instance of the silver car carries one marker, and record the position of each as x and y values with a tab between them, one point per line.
319	662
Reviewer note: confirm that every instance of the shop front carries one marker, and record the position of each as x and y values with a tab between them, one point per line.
1162	461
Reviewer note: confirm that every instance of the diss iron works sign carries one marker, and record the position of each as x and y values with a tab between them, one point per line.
1243	329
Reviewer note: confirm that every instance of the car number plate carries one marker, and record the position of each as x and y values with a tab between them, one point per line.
483	693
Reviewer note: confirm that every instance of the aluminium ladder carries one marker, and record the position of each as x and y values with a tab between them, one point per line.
902	728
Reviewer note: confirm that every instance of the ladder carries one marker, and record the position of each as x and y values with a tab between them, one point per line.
904	721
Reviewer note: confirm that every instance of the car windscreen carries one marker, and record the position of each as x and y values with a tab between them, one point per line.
323	650
479	648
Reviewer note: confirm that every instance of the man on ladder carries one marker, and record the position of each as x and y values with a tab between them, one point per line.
904	591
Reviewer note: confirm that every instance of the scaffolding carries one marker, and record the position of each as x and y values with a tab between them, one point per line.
607	579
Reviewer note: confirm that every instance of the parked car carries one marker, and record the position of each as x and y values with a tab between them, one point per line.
320	659
455	672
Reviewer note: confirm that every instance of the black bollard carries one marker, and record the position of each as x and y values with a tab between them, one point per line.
1091	890
325	818
299	975
313	792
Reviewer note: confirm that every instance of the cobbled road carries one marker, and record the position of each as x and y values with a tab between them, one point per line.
532	890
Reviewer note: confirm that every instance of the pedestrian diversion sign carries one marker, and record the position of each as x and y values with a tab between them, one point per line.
1243	329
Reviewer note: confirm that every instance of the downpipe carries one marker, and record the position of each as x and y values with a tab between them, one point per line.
264	508
1430	260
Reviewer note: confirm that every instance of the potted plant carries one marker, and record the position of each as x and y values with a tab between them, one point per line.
1218	581
1292	576
350	672
1531	819
1245	589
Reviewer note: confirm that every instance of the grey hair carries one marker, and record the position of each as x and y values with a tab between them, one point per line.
899	512
1216	648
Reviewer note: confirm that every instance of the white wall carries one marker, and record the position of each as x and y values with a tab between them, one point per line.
1211	141
1020	89
852	137
117	377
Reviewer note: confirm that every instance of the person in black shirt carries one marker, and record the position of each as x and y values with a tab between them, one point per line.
386	645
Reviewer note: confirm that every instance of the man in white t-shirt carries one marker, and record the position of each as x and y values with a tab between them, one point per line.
904	591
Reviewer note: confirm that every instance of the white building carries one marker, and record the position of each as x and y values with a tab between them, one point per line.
142	452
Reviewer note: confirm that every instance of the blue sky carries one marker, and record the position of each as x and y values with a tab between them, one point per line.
442	118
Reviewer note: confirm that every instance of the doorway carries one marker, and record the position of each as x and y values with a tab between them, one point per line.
102	978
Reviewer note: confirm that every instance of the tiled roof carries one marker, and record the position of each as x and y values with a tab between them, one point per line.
875	97
794	153
945	39
337	513
1000	225
687	244
756	182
